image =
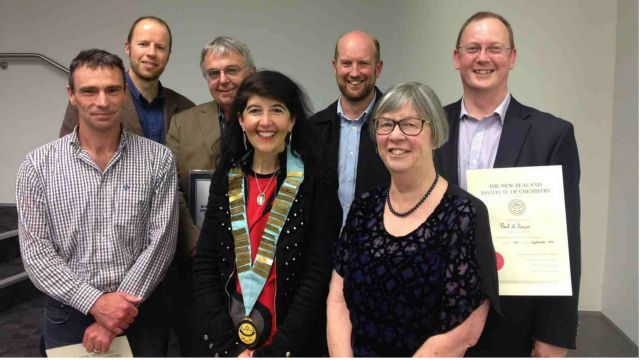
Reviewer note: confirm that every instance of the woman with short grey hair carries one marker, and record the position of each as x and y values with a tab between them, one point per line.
414	269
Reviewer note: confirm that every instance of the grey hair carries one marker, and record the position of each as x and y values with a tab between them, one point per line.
223	45
423	100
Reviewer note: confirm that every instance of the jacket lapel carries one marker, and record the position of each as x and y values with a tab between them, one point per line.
514	132
170	108
330	131
448	154
130	118
209	124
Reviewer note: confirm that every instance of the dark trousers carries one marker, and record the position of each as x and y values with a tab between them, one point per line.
509	336
179	303
148	335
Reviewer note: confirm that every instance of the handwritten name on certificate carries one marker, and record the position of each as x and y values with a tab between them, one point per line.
528	227
119	348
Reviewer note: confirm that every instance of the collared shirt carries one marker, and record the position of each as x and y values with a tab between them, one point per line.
151	114
479	139
348	155
85	231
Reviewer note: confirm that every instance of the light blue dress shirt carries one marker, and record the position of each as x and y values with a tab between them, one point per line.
348	155
479	139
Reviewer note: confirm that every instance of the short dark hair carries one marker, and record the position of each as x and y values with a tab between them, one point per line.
376	44
272	85
154	18
94	58
481	15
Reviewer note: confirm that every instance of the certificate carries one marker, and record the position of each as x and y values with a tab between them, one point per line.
199	182
119	348
528	227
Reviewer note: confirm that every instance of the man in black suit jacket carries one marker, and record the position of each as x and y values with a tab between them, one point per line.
341	129
512	134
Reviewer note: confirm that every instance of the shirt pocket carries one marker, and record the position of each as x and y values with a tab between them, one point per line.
132	209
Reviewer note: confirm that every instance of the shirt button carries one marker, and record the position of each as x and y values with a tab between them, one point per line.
288	354
205	337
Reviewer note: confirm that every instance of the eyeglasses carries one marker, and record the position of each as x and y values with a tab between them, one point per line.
473	49
230	71
408	126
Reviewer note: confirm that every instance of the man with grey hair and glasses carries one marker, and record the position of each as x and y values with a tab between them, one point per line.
490	129
194	137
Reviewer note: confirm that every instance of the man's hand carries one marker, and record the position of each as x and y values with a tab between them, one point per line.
115	311
97	339
542	349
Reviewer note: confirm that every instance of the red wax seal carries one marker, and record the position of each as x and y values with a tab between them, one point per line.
499	261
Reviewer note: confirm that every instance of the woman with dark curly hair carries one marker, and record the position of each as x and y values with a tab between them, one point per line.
263	263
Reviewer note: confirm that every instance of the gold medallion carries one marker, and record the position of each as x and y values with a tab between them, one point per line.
247	332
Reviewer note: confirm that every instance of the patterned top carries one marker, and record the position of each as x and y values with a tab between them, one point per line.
84	231
402	290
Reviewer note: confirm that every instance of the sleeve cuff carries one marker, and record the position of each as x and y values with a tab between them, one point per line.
85	297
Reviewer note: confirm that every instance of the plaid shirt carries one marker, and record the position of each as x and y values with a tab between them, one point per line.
84	231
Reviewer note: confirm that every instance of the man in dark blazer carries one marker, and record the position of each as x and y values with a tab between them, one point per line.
489	128
149	106
341	129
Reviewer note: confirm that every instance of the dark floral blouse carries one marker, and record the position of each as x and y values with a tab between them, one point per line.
402	290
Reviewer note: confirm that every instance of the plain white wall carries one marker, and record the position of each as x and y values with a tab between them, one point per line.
620	287
566	66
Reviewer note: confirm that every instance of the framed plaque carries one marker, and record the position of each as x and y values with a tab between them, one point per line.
199	182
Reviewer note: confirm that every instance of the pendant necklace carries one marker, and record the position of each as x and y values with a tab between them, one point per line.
406	213
260	199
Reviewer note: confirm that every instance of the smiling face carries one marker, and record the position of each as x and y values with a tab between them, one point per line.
266	123
356	67
223	88
148	50
483	72
98	94
402	153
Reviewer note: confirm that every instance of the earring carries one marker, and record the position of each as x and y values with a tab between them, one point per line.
289	136
244	140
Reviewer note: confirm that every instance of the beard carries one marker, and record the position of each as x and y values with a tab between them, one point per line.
145	75
355	96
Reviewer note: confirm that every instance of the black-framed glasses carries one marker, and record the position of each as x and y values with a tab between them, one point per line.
230	71
473	49
409	126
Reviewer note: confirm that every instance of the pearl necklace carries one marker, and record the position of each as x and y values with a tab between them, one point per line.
408	212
